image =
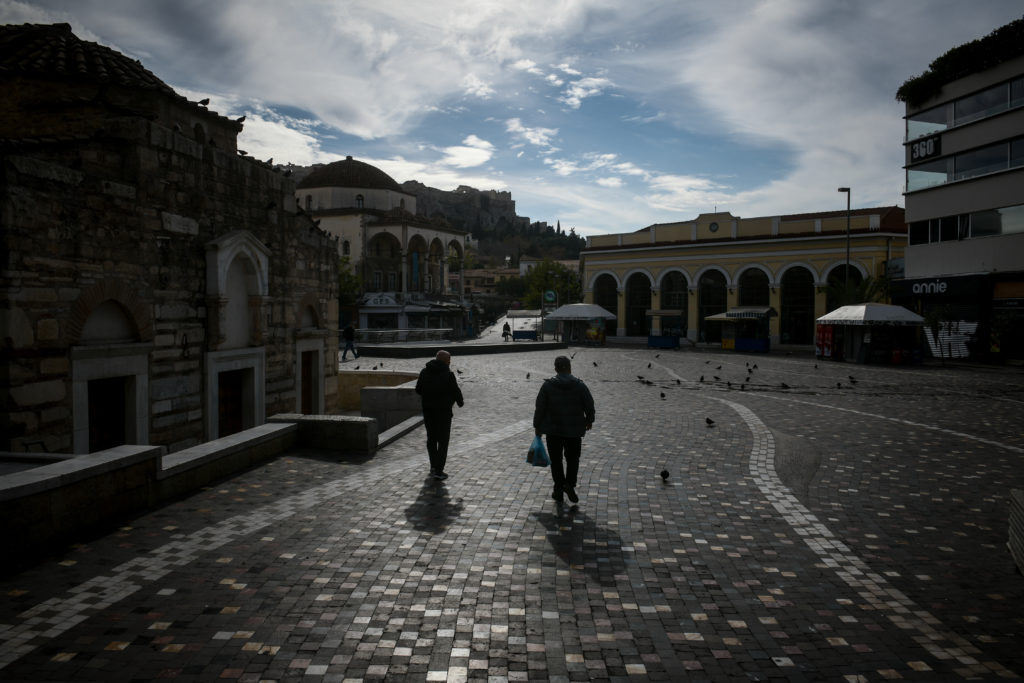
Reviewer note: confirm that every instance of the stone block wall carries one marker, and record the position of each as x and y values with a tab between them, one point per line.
125	213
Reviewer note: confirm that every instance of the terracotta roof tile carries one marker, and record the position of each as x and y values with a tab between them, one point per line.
53	51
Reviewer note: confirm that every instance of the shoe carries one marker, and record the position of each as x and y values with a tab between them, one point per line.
556	495
440	475
570	493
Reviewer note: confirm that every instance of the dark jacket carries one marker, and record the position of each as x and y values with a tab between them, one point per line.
348	334
438	389
564	407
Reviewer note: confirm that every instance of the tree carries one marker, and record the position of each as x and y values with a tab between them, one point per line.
551	275
350	285
869	290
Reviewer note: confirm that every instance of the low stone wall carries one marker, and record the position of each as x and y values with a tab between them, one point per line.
343	434
46	507
351	382
186	471
390	405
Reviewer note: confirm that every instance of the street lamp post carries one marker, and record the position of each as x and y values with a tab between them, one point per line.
846	282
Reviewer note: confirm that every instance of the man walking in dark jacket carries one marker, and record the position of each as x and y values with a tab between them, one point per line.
565	412
438	391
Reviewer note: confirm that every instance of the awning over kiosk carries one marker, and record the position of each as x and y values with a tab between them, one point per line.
743	313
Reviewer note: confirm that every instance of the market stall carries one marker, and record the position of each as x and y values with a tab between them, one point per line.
524	330
870	333
581	323
745	328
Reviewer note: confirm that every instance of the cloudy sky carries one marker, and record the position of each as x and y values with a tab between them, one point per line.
604	115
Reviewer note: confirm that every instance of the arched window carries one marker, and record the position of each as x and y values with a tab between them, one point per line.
710	301
796	319
346	248
753	288
638	302
605	296
359	201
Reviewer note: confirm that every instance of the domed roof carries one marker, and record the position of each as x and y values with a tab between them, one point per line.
53	51
350	173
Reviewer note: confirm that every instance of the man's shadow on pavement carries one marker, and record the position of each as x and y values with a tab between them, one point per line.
433	510
579	542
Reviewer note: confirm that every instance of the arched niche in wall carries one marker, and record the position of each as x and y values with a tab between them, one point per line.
310	356
109	331
237	275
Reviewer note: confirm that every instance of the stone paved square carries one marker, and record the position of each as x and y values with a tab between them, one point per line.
816	532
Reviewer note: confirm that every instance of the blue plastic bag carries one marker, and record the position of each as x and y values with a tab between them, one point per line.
538	455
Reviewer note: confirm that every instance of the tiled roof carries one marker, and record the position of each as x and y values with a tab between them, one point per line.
53	51
350	173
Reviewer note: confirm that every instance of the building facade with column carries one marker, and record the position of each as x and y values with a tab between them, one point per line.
402	258
965	196
668	278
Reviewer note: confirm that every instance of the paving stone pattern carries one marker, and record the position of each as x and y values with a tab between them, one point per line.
821	530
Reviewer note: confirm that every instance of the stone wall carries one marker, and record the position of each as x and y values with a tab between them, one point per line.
126	214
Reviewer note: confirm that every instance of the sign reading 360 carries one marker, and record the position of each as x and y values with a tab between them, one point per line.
926	148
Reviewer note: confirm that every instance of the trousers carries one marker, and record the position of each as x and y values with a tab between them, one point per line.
439	430
567	447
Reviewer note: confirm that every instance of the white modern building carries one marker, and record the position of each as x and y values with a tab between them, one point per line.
965	195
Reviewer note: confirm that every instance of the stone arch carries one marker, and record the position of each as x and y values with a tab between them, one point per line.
307	313
706	269
796	304
638	301
416	263
605	288
712	282
797	264
221	253
435	265
382	265
593	280
754	285
674	290
123	294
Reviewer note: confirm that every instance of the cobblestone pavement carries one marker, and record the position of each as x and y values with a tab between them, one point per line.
822	529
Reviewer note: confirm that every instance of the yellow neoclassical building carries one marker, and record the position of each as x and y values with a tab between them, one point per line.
770	272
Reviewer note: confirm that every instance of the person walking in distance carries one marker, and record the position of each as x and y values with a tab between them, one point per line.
349	335
565	412
438	390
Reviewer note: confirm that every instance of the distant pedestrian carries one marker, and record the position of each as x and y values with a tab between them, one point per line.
349	335
565	412
439	391
506	332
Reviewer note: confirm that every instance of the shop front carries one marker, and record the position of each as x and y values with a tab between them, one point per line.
870	333
745	328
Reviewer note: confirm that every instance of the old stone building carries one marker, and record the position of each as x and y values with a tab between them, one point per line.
157	286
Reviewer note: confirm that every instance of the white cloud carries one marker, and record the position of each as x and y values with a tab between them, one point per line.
540	137
582	89
476	87
610	182
473	152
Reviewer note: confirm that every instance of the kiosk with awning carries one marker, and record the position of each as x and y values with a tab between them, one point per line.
581	322
520	331
870	333
673	327
745	328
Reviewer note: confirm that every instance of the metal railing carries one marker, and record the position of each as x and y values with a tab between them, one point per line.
406	335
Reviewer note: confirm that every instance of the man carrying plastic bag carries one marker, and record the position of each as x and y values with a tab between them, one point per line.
564	412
